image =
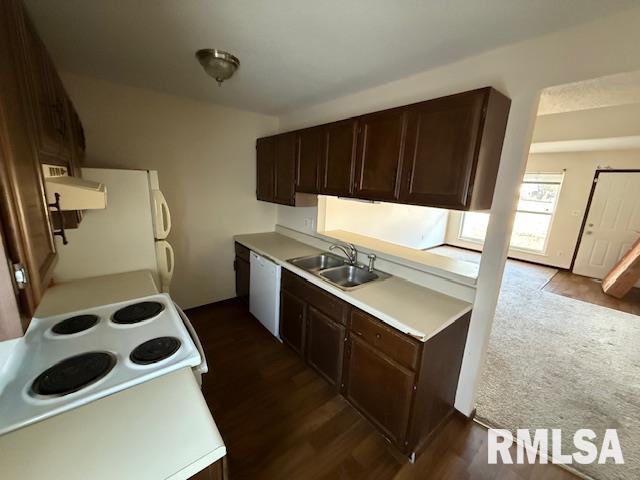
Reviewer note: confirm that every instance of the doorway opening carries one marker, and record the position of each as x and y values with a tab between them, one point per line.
562	353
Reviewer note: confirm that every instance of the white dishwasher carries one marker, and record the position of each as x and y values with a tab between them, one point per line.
264	292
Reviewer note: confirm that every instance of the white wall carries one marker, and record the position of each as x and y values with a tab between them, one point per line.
606	122
521	71
205	156
407	225
580	169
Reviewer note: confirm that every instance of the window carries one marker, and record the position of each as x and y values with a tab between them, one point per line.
538	197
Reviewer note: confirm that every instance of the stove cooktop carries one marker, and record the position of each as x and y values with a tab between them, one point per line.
69	360
73	374
76	324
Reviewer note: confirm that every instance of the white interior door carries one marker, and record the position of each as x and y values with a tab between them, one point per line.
613	223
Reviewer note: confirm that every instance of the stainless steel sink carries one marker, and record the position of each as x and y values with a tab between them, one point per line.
349	276
336	271
315	263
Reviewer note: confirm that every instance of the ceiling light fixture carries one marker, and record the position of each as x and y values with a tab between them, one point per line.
219	64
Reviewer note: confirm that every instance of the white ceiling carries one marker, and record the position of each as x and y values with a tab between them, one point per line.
293	53
609	91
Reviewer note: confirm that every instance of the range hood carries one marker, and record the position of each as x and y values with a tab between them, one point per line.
76	193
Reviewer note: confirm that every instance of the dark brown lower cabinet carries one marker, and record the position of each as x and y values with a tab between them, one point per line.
292	321
405	387
215	471
380	388
242	278
325	345
242	267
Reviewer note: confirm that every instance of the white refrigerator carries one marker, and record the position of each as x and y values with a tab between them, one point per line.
129	234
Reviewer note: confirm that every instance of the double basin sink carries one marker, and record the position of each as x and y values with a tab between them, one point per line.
336	271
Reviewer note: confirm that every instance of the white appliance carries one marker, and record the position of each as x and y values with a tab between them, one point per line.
264	292
68	360
129	234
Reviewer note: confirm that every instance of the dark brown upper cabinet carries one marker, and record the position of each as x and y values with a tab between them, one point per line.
276	171
265	171
285	168
453	150
381	138
311	152
48	100
339	160
35	128
439	153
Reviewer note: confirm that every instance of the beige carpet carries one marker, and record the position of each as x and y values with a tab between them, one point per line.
556	362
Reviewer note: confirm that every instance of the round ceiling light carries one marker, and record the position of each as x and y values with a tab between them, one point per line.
219	64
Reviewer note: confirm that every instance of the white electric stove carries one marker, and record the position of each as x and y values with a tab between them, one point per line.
68	360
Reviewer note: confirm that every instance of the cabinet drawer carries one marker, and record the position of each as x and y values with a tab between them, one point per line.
326	303
242	252
293	283
398	346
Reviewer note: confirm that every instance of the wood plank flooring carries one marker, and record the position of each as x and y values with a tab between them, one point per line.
589	290
281	420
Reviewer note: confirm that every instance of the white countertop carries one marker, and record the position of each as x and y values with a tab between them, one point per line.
411	308
161	429
93	291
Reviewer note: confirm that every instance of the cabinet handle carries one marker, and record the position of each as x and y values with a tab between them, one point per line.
378	336
59	232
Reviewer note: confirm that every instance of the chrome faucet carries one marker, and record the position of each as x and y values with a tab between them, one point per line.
348	249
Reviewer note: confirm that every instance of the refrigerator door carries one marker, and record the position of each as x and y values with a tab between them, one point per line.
161	215
264	293
165	257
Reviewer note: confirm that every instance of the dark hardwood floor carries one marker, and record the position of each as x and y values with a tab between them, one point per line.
281	420
590	290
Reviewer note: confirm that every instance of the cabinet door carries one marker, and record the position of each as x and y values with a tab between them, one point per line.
285	168
338	162
242	278
23	210
292	321
47	98
325	345
380	388
441	152
265	168
311	151
381	141
215	471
